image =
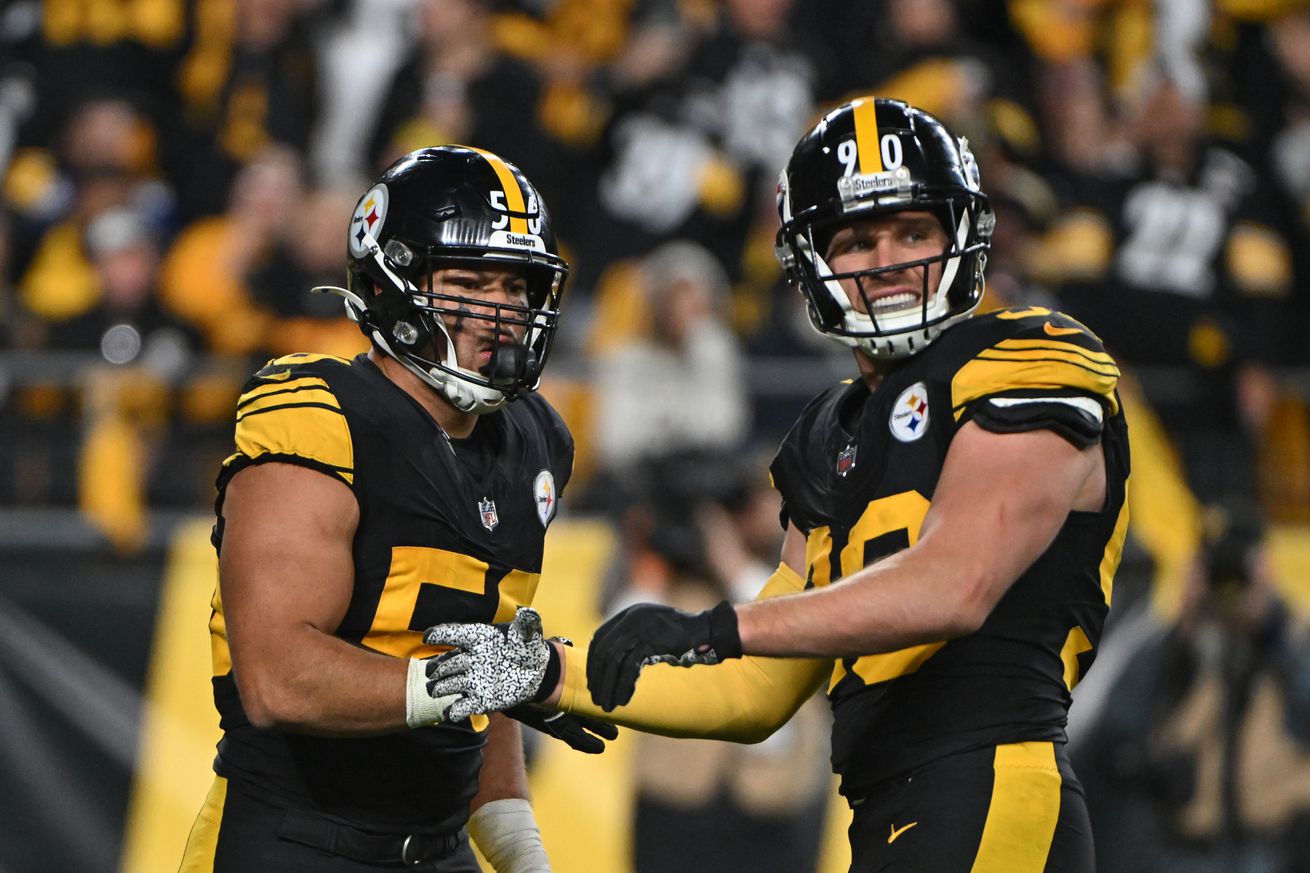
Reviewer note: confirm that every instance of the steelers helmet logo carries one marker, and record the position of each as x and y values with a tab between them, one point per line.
370	215
909	418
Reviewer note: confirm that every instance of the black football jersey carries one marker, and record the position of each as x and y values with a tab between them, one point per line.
449	531
857	474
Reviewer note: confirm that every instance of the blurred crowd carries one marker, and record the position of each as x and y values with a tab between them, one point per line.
175	175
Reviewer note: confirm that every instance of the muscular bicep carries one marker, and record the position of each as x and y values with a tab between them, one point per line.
286	561
1002	498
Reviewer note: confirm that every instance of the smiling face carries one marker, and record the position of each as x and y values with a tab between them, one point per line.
474	329
883	241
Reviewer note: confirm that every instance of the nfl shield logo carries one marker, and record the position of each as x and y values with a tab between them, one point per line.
487	508
846	460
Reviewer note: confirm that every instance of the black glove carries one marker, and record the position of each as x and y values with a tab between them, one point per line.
649	634
576	730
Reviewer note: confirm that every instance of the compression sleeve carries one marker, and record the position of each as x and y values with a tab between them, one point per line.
743	700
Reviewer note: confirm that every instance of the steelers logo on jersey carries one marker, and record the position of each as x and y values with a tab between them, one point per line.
909	418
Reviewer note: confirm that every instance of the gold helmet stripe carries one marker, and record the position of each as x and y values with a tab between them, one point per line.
866	137
513	193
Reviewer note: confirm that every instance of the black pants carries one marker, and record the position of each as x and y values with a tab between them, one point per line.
238	832
1014	808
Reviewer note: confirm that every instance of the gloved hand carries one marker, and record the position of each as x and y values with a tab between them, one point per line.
648	633
493	666
582	733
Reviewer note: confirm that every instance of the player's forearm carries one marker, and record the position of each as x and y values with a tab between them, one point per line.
306	681
741	701
904	600
503	774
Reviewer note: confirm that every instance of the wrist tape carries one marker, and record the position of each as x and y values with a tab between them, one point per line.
507	833
421	708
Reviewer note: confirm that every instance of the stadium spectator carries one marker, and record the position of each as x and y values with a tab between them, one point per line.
692	153
456	86
1197	278
678	387
207	271
104	159
1205	756
128	326
307	254
249	81
360	46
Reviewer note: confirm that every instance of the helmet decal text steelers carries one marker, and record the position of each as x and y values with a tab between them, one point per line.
909	418
872	163
370	215
543	493
519	225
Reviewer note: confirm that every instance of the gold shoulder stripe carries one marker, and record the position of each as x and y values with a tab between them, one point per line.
279	387
984	376
274	407
304	397
312	431
1014	314
304	358
518	223
1110	371
867	146
1057	345
1107	369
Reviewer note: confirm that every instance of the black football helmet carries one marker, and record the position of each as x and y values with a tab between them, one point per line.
453	206
868	157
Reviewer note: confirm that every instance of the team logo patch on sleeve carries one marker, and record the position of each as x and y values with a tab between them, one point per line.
543	492
909	418
487	509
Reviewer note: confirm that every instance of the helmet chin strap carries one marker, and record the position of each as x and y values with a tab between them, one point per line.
464	396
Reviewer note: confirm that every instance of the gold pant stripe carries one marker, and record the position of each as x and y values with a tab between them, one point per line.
1024	810
202	843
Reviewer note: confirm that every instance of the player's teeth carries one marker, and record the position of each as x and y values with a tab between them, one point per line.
895	301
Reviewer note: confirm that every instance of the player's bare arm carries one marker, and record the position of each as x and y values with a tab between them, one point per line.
285	577
504	774
1000	502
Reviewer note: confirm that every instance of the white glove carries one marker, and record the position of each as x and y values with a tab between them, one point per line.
493	667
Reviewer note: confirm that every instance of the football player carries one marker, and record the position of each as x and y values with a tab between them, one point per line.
954	518
368	499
